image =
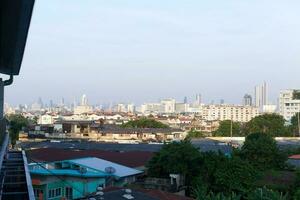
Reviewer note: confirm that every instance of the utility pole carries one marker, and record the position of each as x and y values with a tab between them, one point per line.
299	123
231	128
231	132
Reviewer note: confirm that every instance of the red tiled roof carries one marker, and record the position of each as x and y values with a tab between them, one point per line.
296	156
129	159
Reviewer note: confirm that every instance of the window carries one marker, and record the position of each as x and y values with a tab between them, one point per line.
69	193
52	193
37	193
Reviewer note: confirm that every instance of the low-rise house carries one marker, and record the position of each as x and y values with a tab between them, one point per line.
77	178
112	132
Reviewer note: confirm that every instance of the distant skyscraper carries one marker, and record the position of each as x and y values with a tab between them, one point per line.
222	101
198	99
261	95
185	100
62	101
40	102
247	100
84	100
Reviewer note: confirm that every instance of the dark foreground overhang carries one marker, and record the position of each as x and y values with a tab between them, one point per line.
15	16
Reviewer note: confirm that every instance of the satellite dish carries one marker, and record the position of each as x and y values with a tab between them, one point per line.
110	170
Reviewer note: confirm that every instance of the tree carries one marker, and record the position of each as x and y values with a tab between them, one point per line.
271	124
261	150
224	129
194	134
294	127
16	123
236	175
144	123
176	158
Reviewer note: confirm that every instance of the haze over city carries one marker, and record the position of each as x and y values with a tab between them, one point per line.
141	51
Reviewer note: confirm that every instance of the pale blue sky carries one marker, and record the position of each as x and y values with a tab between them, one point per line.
138	50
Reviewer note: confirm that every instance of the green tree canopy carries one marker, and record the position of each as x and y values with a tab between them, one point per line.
271	124
16	123
224	129
261	150
144	123
236	175
176	158
194	134
294	127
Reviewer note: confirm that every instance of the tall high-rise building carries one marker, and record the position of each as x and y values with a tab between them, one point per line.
40	102
84	100
261	95
198	99
185	100
247	100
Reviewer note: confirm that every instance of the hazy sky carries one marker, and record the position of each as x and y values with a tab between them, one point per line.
144	50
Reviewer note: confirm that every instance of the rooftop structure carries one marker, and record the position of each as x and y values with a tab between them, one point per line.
77	178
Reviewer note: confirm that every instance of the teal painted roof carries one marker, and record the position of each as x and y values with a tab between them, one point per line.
67	172
100	165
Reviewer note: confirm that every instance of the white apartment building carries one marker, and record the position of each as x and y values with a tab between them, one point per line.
168	105
288	104
229	112
82	109
46	119
150	108
181	107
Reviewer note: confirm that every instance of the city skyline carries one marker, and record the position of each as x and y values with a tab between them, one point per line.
139	51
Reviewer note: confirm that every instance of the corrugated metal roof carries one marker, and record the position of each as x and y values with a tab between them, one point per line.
101	165
67	172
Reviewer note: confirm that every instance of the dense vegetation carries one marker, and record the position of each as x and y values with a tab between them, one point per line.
270	124
194	134
144	123
16	123
213	175
224	129
294	127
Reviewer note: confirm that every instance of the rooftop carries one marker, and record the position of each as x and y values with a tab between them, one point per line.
129	159
102	165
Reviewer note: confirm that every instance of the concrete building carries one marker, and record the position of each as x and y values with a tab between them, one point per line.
168	105
289	103
229	112
151	108
247	100
77	178
181	107
261	95
270	108
46	119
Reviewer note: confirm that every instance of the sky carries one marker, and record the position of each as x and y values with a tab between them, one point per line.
142	51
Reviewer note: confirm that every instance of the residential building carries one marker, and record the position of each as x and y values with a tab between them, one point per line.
229	112
181	107
77	178
168	105
247	100
46	119
289	103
